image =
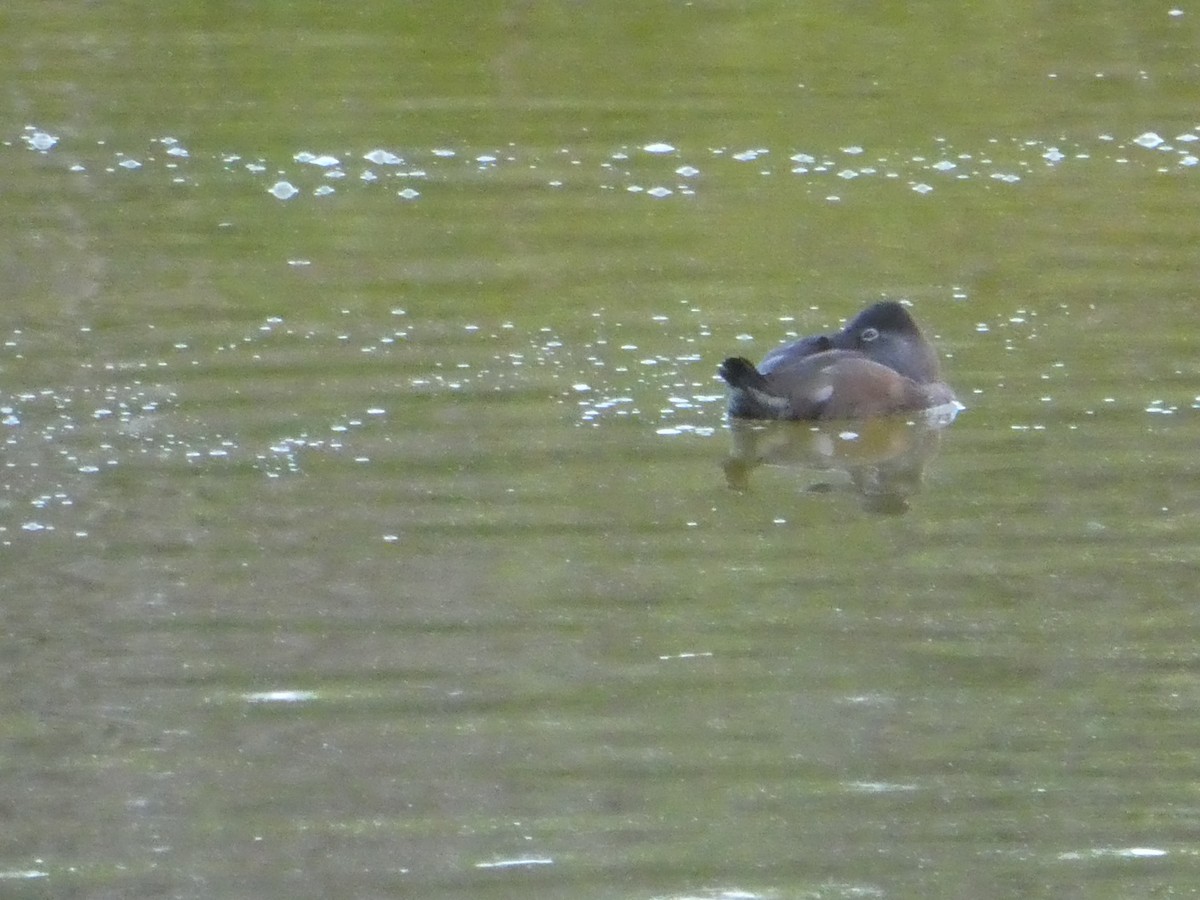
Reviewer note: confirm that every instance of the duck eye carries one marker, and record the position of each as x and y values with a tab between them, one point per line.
868	334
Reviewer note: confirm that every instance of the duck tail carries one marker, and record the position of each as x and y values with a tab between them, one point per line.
739	373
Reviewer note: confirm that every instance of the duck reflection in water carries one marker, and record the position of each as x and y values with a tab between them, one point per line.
883	459
878	371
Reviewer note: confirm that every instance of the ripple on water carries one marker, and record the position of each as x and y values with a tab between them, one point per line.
280	696
1113	853
1004	161
174	411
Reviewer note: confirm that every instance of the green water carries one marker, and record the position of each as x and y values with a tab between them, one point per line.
389	539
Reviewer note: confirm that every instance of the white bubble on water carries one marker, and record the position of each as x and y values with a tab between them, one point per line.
41	140
283	190
324	161
383	158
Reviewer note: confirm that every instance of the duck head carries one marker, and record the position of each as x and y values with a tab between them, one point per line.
885	333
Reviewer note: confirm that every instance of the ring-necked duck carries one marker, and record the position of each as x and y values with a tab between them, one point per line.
879	364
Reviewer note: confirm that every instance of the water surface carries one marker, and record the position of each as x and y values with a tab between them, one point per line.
370	521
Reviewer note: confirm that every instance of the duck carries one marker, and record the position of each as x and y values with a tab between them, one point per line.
879	364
